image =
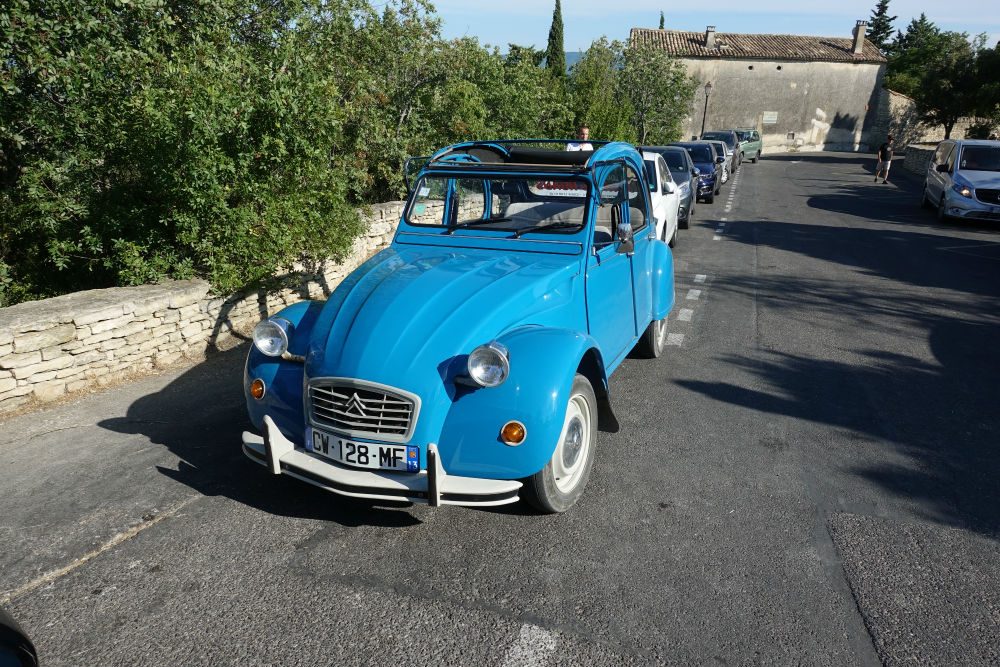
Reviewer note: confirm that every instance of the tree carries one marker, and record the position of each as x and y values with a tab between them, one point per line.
948	89
662	20
555	54
911	53
880	25
594	81
660	91
517	53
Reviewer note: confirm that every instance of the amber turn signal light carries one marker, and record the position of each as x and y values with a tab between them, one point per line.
257	389
513	433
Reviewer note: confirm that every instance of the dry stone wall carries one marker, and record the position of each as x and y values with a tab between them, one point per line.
917	158
74	342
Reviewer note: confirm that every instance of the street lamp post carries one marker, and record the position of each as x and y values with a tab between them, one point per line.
704	115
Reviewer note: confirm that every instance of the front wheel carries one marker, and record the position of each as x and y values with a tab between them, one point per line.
556	487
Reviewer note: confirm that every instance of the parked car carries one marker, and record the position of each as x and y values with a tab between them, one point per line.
16	650
709	165
468	363
727	164
751	145
731	140
684	175
664	196
963	180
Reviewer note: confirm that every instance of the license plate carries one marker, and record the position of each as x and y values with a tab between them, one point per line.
401	458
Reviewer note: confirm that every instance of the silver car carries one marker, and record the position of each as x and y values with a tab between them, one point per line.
722	149
963	180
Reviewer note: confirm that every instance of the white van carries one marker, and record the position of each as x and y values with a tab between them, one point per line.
963	180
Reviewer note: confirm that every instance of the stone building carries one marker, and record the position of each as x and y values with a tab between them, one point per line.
800	92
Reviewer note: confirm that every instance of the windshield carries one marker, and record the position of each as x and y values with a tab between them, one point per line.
676	161
720	147
503	203
725	137
700	153
980	158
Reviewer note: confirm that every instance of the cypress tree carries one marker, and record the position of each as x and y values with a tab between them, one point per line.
555	55
880	25
662	19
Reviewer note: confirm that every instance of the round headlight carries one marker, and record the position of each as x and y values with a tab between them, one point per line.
271	337
489	365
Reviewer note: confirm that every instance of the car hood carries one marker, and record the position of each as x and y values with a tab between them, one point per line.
404	315
705	167
989	180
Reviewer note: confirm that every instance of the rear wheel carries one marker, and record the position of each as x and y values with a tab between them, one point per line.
556	487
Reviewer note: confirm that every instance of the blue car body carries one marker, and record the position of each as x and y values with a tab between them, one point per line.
562	302
710	177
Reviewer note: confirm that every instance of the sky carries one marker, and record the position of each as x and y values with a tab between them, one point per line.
527	21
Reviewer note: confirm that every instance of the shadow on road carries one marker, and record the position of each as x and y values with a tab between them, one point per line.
199	417
933	285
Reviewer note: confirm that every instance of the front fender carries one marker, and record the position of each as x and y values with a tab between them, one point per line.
282	378
663	280
543	362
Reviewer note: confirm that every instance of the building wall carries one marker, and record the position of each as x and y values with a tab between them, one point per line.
819	105
900	119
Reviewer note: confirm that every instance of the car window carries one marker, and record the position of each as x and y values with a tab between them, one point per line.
951	159
650	174
703	153
609	205
516	204
677	162
664	174
638	211
980	158
941	153
755	136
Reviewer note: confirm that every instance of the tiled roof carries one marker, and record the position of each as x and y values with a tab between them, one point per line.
777	47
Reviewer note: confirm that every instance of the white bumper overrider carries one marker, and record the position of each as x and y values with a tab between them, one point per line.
433	486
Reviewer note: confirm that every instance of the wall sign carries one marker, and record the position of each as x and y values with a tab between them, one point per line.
769	117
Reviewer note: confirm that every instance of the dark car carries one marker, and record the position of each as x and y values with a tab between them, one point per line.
685	174
709	164
732	140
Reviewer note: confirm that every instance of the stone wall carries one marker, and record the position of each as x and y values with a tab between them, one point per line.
72	343
795	105
899	117
917	158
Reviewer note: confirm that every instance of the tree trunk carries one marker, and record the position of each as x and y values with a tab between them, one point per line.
947	128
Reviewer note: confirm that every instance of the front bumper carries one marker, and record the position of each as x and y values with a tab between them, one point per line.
432	486
706	186
966	208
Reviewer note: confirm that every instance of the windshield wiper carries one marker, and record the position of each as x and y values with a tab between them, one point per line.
558	225
473	223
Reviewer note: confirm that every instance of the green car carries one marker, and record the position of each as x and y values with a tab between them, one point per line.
750	143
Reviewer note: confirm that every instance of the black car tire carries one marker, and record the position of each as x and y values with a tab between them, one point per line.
941	215
541	490
924	201
709	199
682	223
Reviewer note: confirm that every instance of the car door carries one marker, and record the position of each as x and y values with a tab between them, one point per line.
935	179
671	200
656	194
644	234
610	305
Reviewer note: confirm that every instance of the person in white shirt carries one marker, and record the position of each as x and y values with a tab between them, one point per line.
583	145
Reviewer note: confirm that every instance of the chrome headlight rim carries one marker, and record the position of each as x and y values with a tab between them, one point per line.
271	329
494	351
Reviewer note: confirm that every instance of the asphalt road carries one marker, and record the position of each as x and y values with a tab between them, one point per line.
808	476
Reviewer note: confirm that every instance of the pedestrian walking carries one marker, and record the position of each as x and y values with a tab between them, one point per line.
884	160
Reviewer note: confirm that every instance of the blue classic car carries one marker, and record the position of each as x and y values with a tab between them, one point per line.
468	363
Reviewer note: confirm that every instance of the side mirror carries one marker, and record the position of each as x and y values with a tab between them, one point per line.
696	172
720	160
668	188
943	168
626	243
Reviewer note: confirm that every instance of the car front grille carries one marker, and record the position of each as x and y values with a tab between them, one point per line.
362	409
988	196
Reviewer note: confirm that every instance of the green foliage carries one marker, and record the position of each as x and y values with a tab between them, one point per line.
910	54
880	25
663	20
555	54
596	83
660	91
142	140
948	88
